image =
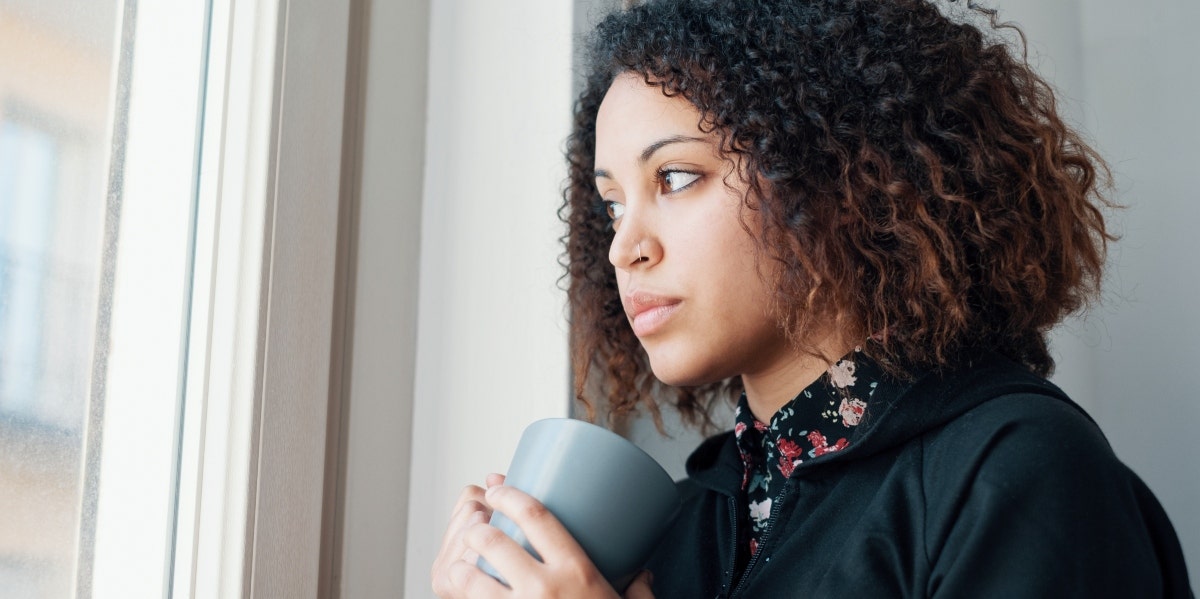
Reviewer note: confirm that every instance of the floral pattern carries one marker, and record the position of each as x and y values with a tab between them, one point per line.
818	421
852	410
842	374
760	510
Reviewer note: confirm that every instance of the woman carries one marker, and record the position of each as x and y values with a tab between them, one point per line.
858	218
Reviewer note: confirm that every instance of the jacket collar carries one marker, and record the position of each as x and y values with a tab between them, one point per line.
898	412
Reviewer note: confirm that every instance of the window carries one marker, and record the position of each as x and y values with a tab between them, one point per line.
54	87
170	201
100	118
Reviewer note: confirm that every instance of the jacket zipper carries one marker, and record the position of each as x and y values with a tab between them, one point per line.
762	547
733	518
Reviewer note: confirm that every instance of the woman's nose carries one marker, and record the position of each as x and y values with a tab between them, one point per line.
634	245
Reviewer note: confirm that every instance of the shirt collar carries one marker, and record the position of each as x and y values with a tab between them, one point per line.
821	419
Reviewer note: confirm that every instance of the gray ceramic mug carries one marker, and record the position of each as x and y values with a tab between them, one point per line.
613	498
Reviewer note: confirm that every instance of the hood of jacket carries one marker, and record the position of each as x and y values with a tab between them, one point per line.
911	408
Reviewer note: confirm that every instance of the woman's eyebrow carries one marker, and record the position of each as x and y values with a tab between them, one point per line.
666	141
651	149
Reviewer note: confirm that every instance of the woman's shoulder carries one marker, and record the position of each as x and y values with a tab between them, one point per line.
1023	439
1030	479
1032	423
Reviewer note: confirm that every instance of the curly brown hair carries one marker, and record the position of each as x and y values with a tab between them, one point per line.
911	174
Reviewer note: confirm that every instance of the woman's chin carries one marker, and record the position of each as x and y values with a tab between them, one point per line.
677	374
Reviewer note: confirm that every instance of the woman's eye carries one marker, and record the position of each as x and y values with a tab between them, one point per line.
615	209
673	181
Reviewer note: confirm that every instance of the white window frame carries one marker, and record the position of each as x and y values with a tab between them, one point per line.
133	413
259	399
265	311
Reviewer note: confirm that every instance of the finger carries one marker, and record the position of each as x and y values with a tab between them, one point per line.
453	548
469	493
495	480
470	508
470	555
467	514
443	587
470	499
547	535
640	588
509	558
469	581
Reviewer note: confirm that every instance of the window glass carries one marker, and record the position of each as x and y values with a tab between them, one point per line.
56	78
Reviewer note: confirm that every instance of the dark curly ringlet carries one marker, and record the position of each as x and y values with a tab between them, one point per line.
911	175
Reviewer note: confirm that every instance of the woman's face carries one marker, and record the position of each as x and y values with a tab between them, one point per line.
690	283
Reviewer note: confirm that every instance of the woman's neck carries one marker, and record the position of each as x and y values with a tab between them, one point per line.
774	386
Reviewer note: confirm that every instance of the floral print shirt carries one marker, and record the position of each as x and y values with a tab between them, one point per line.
818	421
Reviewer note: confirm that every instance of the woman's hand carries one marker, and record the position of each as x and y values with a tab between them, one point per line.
566	572
470	509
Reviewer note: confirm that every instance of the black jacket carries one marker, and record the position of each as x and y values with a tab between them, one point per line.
984	482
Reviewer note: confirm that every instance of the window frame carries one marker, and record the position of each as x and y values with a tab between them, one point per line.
266	304
127	502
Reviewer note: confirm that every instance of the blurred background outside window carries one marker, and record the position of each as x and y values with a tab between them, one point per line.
95	251
56	80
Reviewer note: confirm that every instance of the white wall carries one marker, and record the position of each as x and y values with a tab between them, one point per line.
459	336
1131	75
491	345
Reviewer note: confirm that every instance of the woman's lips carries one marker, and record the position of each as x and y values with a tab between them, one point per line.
648	313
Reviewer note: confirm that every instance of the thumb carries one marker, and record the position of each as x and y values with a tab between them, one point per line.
640	587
